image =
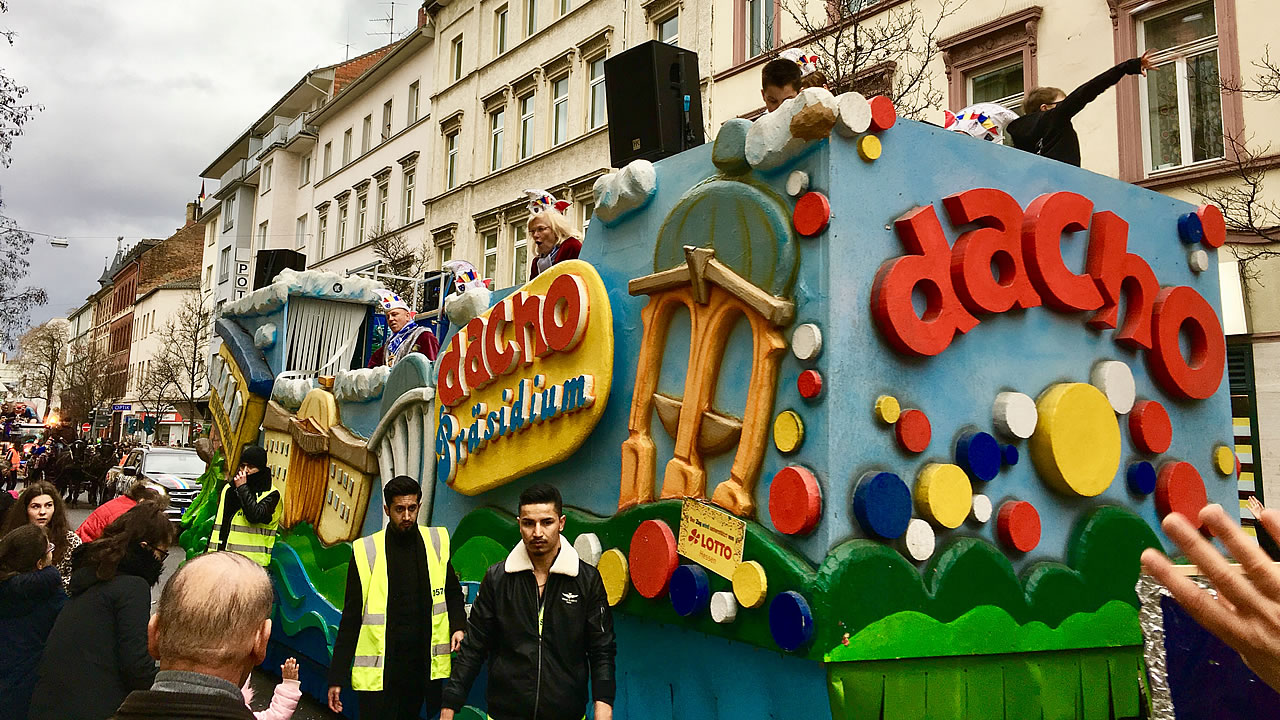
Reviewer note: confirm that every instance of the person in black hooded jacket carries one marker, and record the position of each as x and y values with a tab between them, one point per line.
1045	126
97	653
30	598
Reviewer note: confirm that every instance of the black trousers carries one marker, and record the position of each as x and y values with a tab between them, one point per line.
402	701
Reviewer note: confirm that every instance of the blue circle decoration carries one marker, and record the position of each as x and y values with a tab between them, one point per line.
882	505
979	454
1011	455
790	620
690	590
1141	477
1190	229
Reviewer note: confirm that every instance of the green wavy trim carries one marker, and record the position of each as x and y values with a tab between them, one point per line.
326	567
293	619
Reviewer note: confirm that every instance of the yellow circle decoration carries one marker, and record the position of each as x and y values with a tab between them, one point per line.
943	494
614	574
1076	445
750	585
888	409
788	431
1224	460
869	147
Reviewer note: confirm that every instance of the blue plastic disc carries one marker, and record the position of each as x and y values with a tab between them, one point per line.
1190	228
882	505
979	454
1011	455
790	620
690	590
1141	477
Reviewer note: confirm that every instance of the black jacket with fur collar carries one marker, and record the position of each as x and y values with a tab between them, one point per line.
538	675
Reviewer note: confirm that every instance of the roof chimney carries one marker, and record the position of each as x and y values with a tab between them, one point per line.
423	18
192	210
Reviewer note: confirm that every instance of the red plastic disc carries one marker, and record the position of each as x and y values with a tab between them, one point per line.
1180	489
652	558
1215	226
1149	425
795	500
883	113
809	384
913	430
1018	525
812	213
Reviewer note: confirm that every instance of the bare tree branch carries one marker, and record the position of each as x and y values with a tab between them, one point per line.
40	357
84	384
398	257
181	369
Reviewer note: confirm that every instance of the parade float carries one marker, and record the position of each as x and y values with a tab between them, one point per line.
857	417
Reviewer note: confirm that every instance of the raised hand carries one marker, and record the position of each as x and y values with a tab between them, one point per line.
1255	507
1146	62
289	670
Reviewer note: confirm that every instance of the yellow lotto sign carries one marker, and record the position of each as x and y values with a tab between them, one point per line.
711	537
523	385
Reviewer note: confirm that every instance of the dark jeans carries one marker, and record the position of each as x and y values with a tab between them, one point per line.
401	701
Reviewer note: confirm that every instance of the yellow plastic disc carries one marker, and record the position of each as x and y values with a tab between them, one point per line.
869	147
750	585
943	494
1224	459
788	431
888	409
1076	445
614	574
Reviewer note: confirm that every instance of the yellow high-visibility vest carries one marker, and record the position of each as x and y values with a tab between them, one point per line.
371	645
251	540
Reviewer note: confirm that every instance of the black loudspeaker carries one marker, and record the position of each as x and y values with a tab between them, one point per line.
654	102
271	262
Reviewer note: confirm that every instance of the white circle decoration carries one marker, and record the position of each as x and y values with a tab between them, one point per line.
1115	380
1014	414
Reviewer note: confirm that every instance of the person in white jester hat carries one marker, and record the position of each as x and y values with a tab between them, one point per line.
249	510
402	616
555	239
406	336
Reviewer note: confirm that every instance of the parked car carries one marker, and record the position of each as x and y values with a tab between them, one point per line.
177	470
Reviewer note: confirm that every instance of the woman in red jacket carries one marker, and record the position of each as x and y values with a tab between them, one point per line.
555	239
98	520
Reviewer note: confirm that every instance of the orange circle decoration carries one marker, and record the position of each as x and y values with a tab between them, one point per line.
1178	312
1018	526
1180	489
652	558
883	113
913	430
1076	445
812	214
795	500
1150	428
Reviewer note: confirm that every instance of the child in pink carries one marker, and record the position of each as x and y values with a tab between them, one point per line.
285	699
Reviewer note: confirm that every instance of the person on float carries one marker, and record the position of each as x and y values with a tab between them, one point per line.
554	237
41	504
402	617
249	510
406	335
542	621
30	598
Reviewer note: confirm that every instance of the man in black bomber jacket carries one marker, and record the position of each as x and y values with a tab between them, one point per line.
542	621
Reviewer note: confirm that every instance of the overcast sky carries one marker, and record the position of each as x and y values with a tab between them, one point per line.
140	96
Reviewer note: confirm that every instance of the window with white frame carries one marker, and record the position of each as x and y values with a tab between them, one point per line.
1001	82
383	191
500	30
342	227
415	89
386	121
1181	97
451	160
224	265
530	17
526	126
490	253
300	232
229	212
497	126
262	235
410	176
322	229
346	148
366	135
328	158
519	253
760	25
304	170
362	213
667	30
598	115
266	177
446	253
560	110
456	54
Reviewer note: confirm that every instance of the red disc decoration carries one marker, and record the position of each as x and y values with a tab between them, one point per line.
1215	226
1149	426
795	500
809	384
1182	311
1180	489
652	558
1018	525
883	113
913	430
812	213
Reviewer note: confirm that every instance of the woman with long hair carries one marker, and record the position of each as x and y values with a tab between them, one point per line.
30	598
99	643
555	240
41	504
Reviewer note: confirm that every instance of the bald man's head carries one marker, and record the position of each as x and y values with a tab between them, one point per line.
213	616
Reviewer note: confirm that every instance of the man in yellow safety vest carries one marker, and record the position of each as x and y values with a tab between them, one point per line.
248	510
402	617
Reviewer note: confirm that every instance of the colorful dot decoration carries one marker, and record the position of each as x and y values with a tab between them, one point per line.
883	113
812	214
797	183
1198	261
1213	224
795	500
790	620
1010	455
652	558
690	590
614	574
809	384
1150	428
1018	526
1190	229
944	495
979	454
913	431
806	342
1076	446
869	148
1224	460
919	540
788	431
724	608
882	505
1115	380
1141	478
1014	414
981	508
750	584
887	409
588	547
1180	489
